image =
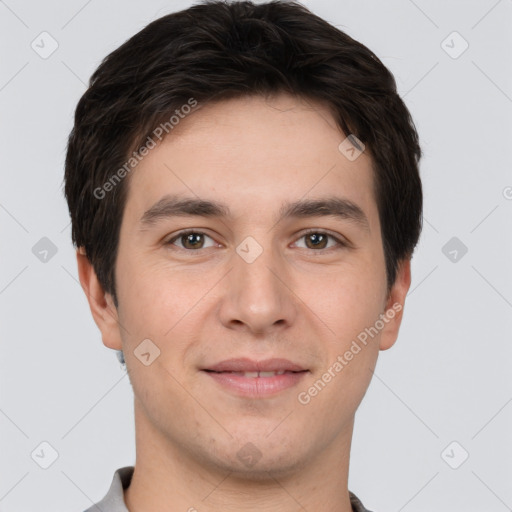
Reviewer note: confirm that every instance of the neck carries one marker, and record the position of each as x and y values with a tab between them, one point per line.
167	477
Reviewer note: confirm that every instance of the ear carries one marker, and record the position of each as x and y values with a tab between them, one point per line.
395	305
102	305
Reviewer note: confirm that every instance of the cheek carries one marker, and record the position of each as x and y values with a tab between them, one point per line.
162	305
149	291
346	302
350	307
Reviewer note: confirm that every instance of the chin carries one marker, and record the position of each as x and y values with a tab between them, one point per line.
257	457
266	469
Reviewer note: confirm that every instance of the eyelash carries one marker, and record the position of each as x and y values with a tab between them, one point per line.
340	243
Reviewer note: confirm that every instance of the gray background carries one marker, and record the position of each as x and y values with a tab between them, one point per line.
447	378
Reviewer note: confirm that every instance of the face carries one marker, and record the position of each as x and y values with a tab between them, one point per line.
250	242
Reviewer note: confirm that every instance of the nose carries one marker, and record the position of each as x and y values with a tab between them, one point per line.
257	296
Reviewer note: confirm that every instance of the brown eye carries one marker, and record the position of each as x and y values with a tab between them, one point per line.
191	240
317	240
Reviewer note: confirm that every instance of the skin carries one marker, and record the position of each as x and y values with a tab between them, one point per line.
207	304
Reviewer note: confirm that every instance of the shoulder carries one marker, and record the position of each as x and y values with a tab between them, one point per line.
356	503
113	501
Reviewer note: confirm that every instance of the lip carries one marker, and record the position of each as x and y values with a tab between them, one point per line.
260	386
249	365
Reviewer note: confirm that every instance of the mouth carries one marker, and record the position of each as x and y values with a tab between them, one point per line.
257	374
256	379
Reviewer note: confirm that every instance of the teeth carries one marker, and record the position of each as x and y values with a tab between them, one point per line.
267	374
259	374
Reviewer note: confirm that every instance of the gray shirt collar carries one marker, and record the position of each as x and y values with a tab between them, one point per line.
114	499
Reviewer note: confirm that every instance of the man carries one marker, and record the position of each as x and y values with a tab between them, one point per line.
245	200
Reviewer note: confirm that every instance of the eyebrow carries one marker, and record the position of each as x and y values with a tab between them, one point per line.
175	206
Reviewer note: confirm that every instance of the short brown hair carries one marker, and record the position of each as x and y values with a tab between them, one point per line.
218	50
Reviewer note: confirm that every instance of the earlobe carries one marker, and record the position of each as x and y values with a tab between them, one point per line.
101	304
395	305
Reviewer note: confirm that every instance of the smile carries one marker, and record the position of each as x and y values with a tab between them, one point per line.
256	384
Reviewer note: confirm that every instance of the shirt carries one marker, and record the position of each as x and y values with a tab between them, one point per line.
114	499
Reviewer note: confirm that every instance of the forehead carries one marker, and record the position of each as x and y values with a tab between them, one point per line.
253	154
